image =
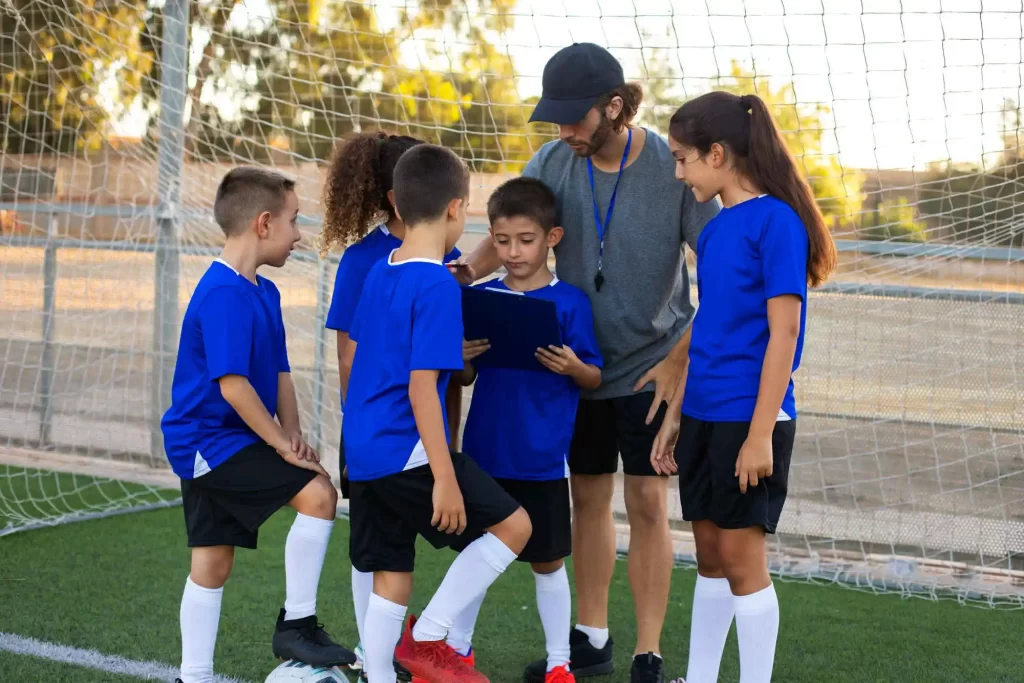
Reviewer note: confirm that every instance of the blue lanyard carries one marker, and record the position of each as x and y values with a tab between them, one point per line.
602	227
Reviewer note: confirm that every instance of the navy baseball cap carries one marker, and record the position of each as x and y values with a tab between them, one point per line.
574	78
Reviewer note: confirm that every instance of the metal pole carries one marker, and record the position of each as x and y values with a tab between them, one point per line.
319	351
47	370
170	161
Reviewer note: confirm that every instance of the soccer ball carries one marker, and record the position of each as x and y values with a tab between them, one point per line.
294	671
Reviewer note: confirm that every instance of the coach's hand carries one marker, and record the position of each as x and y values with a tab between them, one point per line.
663	451
449	508
666	377
755	461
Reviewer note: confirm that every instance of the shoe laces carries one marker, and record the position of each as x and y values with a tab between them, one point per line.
439	652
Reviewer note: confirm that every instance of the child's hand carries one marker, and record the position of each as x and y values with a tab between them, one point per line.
449	508
754	461
560	359
663	451
463	272
293	459
302	449
472	349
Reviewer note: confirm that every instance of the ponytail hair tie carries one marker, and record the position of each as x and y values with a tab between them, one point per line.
747	102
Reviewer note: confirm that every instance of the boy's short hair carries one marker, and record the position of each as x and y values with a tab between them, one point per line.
246	192
523	197
427	178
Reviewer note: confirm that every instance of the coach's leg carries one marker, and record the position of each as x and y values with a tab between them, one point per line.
593	549
650	556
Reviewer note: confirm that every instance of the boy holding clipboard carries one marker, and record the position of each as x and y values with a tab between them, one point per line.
521	420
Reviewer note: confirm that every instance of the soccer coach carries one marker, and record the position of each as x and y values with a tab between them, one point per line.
626	219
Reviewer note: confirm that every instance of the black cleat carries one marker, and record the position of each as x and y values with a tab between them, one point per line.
648	668
306	640
585	659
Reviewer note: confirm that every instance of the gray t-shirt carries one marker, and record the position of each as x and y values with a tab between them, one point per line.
644	306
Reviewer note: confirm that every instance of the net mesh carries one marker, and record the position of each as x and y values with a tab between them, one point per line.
908	473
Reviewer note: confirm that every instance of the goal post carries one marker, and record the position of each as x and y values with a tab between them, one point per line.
119	117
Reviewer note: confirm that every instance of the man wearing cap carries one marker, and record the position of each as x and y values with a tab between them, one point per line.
626	219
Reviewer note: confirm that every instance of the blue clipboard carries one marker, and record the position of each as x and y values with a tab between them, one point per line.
516	326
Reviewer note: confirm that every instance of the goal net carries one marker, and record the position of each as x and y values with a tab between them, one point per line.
119	117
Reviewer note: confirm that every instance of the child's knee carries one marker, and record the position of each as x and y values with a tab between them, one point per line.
394	587
514	531
211	566
318	499
545	568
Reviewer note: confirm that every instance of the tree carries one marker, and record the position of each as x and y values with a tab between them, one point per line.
320	70
59	59
972	204
837	190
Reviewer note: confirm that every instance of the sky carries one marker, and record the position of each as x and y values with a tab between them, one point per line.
908	82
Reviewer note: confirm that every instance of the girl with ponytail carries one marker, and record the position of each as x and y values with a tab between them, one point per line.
732	425
359	215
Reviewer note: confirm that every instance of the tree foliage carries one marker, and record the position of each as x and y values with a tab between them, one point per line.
302	84
837	190
69	68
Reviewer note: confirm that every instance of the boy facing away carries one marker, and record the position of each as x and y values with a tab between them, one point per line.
521	422
237	464
406	341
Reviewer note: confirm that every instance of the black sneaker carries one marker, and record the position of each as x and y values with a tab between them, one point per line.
306	640
585	659
648	668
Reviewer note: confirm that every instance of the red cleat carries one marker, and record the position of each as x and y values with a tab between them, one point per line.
560	674
469	660
434	661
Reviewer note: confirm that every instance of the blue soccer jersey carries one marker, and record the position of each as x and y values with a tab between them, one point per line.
353	268
749	253
231	327
409	318
520	423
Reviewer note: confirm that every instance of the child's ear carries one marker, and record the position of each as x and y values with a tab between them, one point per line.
391	201
555	236
717	154
262	224
454	206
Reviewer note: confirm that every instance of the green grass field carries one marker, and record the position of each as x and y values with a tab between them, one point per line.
113	585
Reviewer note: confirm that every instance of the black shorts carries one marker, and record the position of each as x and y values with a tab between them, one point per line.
547	504
608	427
227	505
386	514
708	487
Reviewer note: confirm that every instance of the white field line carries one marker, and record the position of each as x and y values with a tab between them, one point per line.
91	659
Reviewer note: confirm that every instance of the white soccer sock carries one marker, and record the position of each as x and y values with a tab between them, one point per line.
757	628
470	575
384	620
200	617
710	620
362	589
304	553
554	602
460	635
598	636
